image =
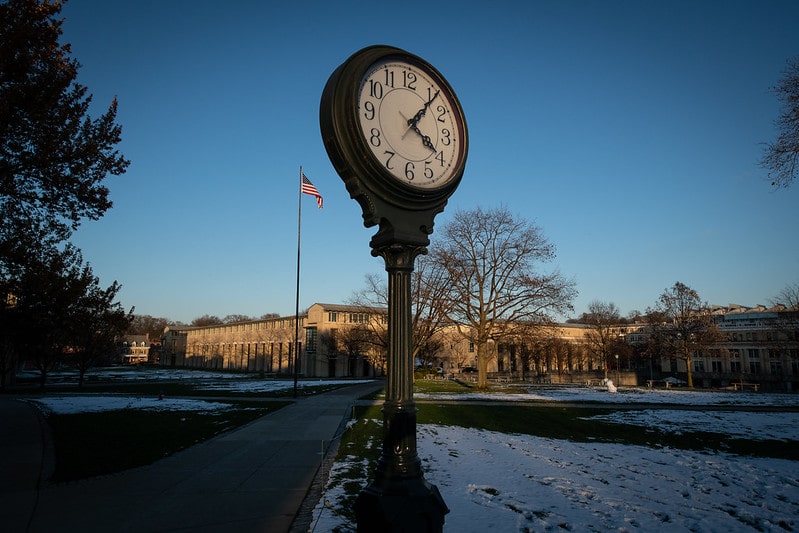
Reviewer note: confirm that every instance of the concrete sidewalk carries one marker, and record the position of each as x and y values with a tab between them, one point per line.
252	479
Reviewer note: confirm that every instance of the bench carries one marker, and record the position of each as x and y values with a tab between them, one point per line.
744	386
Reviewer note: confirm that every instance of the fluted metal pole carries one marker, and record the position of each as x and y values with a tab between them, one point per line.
399	499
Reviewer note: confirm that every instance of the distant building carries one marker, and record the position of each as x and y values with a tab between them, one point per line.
135	349
268	345
762	347
342	340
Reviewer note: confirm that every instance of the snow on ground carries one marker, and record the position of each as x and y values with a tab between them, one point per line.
275	385
202	380
758	426
520	483
96	403
133	373
498	482
84	402
522	393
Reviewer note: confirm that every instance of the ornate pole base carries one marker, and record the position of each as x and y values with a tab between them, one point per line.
400	506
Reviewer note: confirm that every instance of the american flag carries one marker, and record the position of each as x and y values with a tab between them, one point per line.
308	188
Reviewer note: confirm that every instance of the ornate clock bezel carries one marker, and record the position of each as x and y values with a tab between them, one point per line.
346	146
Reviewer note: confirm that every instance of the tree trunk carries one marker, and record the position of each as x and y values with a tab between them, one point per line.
482	365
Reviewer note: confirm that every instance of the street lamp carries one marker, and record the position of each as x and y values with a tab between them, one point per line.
617	369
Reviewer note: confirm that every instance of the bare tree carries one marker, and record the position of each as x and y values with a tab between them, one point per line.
601	337
206	320
782	156
449	342
686	326
789	297
524	342
235	318
429	300
372	300
329	343
786	303
542	347
148	325
491	261
355	343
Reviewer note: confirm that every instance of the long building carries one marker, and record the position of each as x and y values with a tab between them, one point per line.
761	347
269	345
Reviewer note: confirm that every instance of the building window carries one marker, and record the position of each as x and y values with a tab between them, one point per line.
717	366
699	366
735	367
471	347
754	353
776	367
359	318
310	340
332	316
754	367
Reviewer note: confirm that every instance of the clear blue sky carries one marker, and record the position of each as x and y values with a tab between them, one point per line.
629	131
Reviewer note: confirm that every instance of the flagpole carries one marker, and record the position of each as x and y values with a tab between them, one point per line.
297	299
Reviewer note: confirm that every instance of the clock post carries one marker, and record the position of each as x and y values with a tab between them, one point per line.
395	132
399	498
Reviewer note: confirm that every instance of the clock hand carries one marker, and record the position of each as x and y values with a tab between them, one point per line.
425	138
409	128
418	116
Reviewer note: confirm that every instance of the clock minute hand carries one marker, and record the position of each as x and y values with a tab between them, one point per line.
418	116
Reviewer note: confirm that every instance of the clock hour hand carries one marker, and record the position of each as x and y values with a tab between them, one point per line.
412	126
425	138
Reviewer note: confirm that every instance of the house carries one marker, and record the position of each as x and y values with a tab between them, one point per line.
135	349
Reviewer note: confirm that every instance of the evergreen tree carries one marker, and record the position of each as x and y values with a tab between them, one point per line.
54	158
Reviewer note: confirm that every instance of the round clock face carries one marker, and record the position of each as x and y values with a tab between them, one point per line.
411	123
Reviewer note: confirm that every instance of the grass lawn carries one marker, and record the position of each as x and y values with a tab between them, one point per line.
99	443
94	444
176	389
361	445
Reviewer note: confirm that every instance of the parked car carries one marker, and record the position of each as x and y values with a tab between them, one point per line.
468	370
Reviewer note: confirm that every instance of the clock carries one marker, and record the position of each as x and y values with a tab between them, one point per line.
392	124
